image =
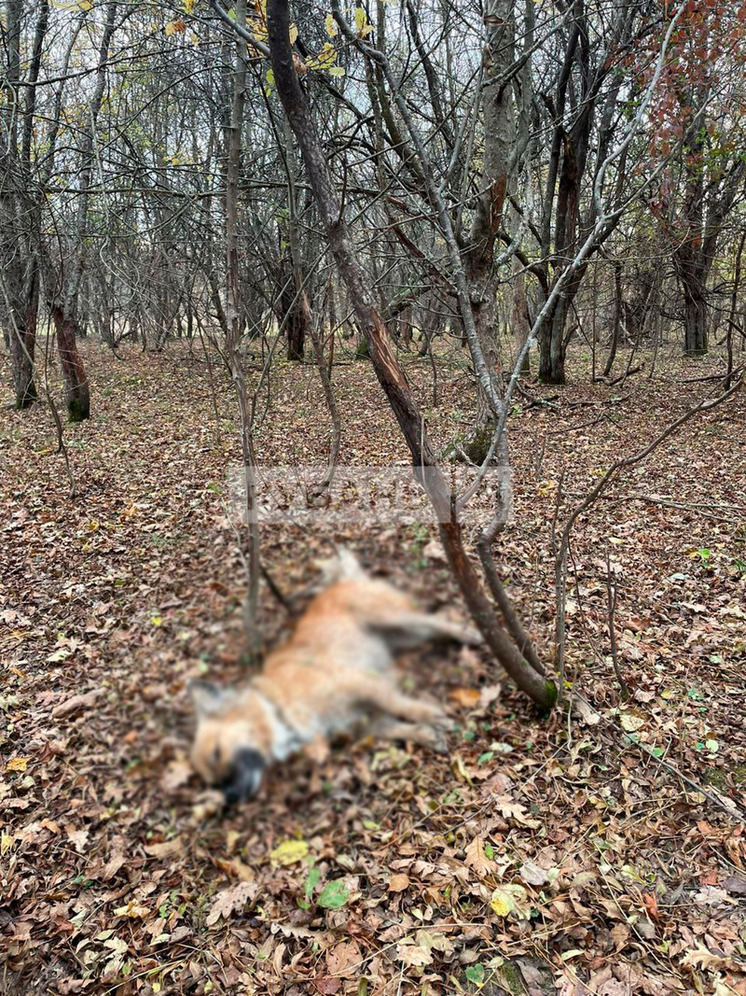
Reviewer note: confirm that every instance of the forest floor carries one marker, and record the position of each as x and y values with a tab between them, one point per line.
538	856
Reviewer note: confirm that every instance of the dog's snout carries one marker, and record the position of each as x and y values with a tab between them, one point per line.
244	777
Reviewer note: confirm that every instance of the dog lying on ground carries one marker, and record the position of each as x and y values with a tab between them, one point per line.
334	672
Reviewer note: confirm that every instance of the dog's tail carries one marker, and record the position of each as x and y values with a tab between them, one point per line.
344	566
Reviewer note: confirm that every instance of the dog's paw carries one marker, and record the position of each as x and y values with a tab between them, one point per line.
442	721
431	713
434	739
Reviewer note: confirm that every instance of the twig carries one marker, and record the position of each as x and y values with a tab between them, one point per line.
274	588
611	593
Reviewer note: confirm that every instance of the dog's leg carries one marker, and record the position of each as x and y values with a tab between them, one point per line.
388	728
410	629
378	694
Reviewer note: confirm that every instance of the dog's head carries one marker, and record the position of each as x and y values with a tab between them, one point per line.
230	743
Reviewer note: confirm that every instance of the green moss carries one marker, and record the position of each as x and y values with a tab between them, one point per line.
552	695
720	778
512	979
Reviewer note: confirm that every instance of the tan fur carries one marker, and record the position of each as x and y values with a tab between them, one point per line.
334	671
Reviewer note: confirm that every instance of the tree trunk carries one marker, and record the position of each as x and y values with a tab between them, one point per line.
77	392
552	343
64	314
497	56
20	272
389	372
296	329
234	329
618	302
695	311
520	319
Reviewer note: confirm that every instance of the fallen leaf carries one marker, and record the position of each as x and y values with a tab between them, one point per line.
166	848
289	852
176	774
78	838
77	702
477	859
333	896
532	874
227	901
343	959
467	697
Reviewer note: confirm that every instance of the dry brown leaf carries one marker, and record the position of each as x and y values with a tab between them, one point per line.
467	697
398	882
227	901
76	702
78	838
477	859
413	954
343	959
176	774
532	874
166	848
237	869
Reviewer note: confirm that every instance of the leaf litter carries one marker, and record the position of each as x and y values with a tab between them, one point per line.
537	857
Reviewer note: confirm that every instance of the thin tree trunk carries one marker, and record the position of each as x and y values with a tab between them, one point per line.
617	318
389	373
234	328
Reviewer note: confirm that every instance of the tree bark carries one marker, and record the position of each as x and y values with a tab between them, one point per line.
77	391
499	129
20	270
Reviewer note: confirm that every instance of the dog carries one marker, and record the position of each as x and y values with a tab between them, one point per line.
335	672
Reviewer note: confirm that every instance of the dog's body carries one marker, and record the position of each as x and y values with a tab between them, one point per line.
336	670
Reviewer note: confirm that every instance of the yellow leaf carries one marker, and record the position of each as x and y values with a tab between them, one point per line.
188	6
173	26
361	19
270	77
293	34
93	525
337	71
501	902
511	899
133	910
332	28
289	852
326	57
6	842
17	764
157	620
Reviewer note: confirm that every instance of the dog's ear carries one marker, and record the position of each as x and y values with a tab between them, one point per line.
207	698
